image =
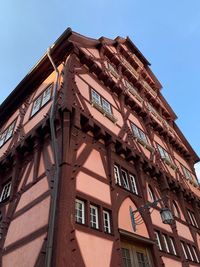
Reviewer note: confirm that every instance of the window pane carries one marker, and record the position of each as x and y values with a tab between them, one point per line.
9	131
94	221
133	184
80	211
158	240
117	175
184	251
173	246
125	180
143	136
142	260
2	138
106	106
6	192
96	97
36	105
165	242
46	95
126	257
106	220
135	130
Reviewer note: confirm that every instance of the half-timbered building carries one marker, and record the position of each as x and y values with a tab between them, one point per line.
86	141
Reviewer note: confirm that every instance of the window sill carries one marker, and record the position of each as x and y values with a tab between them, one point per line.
106	114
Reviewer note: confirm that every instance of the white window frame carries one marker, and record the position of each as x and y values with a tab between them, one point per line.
106	222
104	105
41	100
82	210
117	175
95	97
173	245
125	179
7	133
138	133
166	243
195	254
7	189
94	217
190	252
184	251
158	240
192	219
133	184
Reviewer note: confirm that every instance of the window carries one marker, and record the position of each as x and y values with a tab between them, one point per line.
80	211
184	250
138	133
5	135
102	105
126	257
165	242
176	210
186	173
195	254
94	220
151	194
5	194
133	184
158	240
141	137
106	106
41	100
166	158
190	253
163	153
192	217
117	175
142	260
106	222
172	246
125	179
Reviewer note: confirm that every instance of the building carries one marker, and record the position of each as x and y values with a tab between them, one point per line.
87	139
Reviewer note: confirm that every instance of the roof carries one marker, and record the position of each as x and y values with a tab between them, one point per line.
59	49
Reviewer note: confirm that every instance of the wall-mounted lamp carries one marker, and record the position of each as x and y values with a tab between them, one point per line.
165	213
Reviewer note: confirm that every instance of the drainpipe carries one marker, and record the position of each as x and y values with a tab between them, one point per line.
52	215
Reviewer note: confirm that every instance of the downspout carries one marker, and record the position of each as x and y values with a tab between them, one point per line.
52	215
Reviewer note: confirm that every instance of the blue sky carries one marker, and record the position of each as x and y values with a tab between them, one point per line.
167	33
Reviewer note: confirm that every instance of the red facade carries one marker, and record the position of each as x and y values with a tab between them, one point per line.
87	139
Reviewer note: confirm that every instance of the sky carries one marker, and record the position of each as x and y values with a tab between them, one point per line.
166	32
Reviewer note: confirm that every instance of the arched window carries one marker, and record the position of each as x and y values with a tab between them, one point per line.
151	194
175	209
